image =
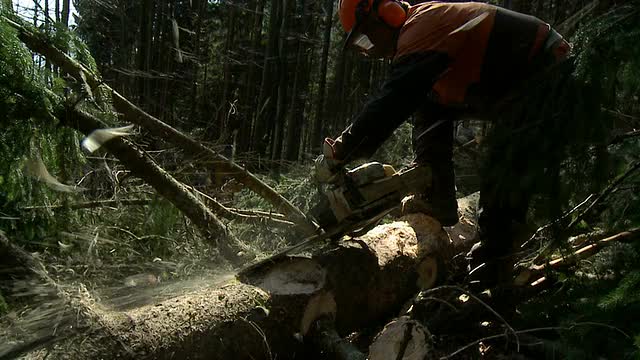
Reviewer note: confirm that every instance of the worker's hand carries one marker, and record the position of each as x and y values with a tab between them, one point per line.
327	165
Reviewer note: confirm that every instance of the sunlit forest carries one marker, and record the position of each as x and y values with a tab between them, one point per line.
158	196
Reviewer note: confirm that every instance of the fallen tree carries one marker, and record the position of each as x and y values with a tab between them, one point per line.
166	185
223	167
356	283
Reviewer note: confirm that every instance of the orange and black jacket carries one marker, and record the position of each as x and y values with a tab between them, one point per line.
449	53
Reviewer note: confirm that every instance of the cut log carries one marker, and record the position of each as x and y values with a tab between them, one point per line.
402	339
357	282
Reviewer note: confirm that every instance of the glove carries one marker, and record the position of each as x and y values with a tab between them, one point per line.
326	165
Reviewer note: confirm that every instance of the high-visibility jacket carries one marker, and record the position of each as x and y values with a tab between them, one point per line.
452	54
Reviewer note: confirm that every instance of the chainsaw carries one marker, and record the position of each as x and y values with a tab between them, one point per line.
352	201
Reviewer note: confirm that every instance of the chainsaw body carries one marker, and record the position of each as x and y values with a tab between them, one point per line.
366	193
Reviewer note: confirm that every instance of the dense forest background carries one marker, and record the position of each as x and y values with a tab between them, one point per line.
260	82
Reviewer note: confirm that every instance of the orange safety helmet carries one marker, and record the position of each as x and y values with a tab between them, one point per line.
351	12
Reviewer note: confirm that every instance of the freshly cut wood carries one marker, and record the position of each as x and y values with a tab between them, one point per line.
402	339
356	282
535	272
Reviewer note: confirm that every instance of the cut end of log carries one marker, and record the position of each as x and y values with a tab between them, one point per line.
404	339
427	271
295	276
322	304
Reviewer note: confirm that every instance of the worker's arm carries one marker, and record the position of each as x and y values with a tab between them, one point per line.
410	81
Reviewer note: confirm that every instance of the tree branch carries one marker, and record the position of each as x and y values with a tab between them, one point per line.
38	43
91	204
166	185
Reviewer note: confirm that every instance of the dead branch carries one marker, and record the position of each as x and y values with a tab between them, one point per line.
91	204
166	185
246	216
223	166
556	221
622	137
588	250
526	275
608	190
568	27
529	331
479	301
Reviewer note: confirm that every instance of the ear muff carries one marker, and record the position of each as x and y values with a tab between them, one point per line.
392	13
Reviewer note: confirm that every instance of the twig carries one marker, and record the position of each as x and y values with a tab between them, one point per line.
441	301
588	250
528	331
620	138
562	217
90	204
605	193
621	114
471	295
248	216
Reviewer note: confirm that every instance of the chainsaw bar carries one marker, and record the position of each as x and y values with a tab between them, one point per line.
357	228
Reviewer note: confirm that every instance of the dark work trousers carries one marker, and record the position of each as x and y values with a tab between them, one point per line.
433	146
523	152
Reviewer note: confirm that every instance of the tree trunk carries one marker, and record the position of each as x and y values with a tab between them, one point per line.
175	192
66	8
300	89
268	89
223	166
144	50
280	118
358	283
318	126
7	5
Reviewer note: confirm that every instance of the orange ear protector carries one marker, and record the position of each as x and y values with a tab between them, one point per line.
391	12
353	11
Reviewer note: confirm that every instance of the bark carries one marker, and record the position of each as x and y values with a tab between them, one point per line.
357	283
318	125
223	166
7	6
177	193
328	342
65	12
278	139
144	51
300	88
92	204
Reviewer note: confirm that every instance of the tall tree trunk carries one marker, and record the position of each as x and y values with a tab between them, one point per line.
141	165
300	88
66	8
318	125
224	109
276	152
7	5
246	133
268	89
144	50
